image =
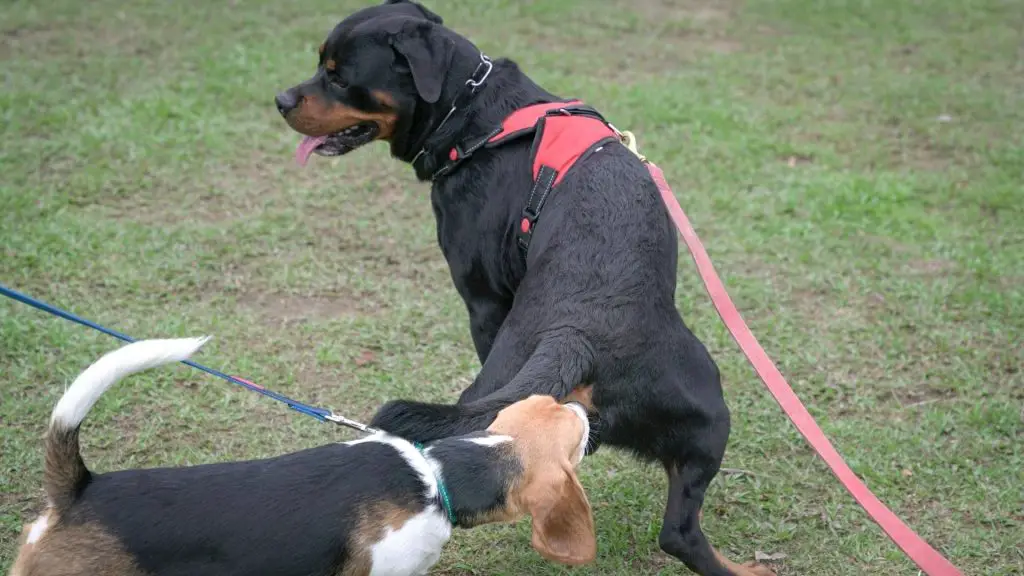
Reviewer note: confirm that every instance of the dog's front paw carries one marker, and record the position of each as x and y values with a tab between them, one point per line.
391	415
414	421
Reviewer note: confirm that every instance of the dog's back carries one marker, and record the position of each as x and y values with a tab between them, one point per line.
338	500
376	506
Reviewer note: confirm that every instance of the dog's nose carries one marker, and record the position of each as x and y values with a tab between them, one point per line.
286	102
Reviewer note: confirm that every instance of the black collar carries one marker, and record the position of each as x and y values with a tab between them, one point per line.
471	87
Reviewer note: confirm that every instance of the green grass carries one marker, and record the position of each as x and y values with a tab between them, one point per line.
856	169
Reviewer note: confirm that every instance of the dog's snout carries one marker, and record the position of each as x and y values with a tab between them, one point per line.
286	102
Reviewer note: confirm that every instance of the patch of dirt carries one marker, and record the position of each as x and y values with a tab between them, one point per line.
22	505
335	388
277	309
23	40
894	144
855	361
919	395
71	40
798	160
699	12
233	191
929	268
921	157
669	34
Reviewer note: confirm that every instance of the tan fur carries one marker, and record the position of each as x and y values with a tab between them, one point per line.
63	468
373	521
317	117
330	65
748	569
384	98
73	551
546	437
584	395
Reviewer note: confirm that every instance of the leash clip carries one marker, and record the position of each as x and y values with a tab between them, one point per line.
628	140
349	423
484	61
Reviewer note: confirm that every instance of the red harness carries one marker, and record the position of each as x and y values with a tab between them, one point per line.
563	134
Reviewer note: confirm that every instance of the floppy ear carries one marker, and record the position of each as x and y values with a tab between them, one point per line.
563	526
429	55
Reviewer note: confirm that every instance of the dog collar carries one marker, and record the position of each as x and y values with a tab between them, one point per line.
473	84
442	491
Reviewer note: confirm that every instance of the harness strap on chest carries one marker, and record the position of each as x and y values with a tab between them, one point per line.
563	134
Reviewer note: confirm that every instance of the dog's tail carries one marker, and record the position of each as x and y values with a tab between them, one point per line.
65	473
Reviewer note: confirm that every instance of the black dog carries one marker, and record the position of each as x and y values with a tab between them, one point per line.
590	303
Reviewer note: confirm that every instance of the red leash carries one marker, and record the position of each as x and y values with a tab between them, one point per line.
926	557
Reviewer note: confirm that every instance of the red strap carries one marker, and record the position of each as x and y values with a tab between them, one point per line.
564	140
929	560
526	118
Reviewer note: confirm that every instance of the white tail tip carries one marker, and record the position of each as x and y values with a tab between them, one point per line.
112	367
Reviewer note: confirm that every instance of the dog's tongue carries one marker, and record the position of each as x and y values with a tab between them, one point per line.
306	147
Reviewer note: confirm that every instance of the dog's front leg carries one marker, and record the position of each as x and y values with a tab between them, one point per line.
486	315
562	361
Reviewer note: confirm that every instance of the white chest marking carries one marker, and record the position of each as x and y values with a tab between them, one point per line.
416	546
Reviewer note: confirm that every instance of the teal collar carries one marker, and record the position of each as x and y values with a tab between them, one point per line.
442	491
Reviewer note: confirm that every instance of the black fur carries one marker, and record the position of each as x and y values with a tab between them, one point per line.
478	477
592	304
288	515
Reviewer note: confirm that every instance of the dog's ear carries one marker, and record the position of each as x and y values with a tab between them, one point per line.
563	525
426	13
429	55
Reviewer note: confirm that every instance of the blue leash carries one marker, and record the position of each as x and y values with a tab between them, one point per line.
320	414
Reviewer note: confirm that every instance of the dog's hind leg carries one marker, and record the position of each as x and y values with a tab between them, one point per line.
561	361
689	474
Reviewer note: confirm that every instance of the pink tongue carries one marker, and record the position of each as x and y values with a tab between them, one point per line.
306	147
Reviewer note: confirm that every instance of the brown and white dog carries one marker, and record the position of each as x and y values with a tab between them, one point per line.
375	506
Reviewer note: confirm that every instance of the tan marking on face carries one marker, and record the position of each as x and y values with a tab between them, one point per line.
321	49
384	98
330	65
546	437
372	523
316	117
584	395
72	550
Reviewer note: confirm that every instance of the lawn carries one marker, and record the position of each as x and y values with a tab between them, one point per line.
856	169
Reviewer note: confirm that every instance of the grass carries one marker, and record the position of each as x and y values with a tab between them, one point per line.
856	169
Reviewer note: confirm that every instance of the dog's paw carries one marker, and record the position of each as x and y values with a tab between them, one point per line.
395	415
419	421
